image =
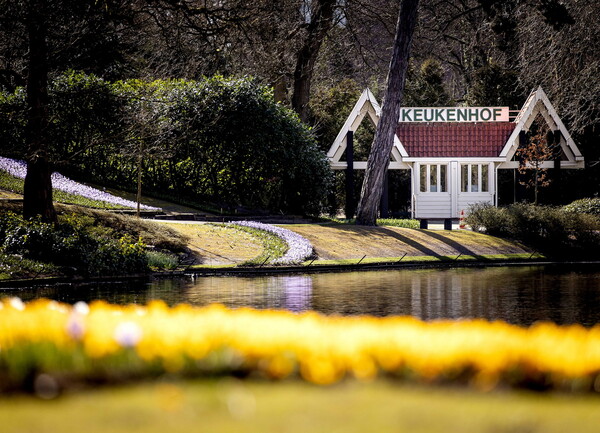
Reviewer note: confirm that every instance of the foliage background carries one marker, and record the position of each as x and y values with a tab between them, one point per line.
474	52
218	140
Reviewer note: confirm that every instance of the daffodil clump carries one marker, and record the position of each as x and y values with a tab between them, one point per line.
101	342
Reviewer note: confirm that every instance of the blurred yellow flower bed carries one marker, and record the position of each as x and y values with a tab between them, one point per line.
102	342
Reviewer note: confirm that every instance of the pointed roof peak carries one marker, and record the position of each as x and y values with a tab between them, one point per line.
538	103
366	105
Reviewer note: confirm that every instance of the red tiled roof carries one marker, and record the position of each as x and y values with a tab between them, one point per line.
485	139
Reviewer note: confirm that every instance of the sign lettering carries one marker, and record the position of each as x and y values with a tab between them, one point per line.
454	114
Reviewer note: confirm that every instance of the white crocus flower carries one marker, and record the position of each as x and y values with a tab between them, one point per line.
299	248
19	169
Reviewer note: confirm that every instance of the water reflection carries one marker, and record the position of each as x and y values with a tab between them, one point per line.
298	292
520	295
281	292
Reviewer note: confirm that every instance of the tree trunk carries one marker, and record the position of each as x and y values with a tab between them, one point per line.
37	195
138	197
379	157
535	185
321	20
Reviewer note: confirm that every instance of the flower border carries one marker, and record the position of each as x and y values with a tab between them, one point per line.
18	169
299	248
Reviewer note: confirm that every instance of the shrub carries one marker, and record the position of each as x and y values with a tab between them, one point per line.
233	143
31	239
391	222
72	245
124	256
86	242
584	205
8	221
395	222
12	267
552	230
489	219
161	260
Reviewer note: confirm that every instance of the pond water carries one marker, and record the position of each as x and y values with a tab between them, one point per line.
521	295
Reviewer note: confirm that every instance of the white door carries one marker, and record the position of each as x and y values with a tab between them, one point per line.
454	187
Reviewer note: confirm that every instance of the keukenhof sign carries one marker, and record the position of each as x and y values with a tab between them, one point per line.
454	114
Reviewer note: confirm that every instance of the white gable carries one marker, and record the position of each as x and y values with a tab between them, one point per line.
366	105
538	103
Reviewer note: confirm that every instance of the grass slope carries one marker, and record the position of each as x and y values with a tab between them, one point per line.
345	244
294	407
218	245
349	242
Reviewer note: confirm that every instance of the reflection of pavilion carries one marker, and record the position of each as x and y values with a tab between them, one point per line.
454	153
297	292
436	296
517	295
292	293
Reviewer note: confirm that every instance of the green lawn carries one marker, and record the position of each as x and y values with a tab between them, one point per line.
292	407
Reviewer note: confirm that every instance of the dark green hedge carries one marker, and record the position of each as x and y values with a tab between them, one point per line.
222	141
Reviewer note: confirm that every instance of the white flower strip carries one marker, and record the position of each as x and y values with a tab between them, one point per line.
299	248
62	183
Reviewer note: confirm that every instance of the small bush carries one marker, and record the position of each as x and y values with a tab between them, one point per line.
32	239
585	205
124	256
160	260
8	221
87	242
488	219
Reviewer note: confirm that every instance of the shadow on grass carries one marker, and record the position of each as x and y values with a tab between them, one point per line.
411	242
463	250
450	242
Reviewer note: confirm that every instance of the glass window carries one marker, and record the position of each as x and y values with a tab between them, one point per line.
484	178
474	178
433	178
443	178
